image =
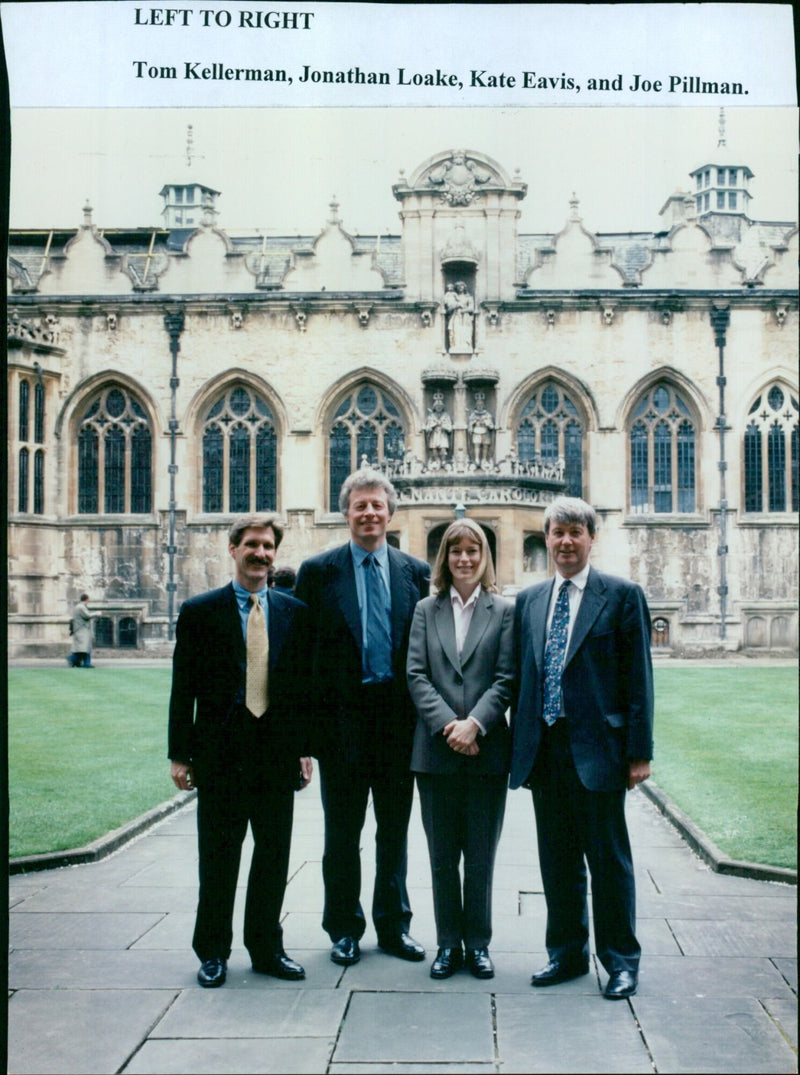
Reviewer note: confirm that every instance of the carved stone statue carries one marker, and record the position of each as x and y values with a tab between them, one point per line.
460	312
481	429
458	178
438	429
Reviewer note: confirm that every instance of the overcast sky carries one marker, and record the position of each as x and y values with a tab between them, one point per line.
277	169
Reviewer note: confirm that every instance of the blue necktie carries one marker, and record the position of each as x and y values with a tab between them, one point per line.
554	653
378	657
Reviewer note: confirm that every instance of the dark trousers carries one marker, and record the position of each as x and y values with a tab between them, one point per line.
346	785
223	813
575	827
463	816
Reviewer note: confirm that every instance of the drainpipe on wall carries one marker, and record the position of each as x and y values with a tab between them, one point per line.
173	322
720	319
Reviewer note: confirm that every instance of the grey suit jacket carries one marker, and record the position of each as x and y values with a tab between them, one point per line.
445	686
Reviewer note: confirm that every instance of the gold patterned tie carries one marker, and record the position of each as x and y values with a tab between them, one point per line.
257	659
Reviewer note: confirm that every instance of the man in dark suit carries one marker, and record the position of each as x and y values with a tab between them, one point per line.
582	733
237	734
361	597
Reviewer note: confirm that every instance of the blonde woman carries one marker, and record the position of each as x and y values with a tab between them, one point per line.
460	676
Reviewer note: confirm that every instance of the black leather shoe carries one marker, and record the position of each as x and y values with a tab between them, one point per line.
212	973
402	946
345	951
558	971
479	964
447	962
280	966
621	984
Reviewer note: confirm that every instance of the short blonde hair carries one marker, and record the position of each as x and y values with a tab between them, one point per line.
442	576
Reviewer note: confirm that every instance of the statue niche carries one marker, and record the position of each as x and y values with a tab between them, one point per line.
459	311
438	432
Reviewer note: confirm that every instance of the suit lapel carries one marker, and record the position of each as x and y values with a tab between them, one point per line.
342	580
592	603
277	623
446	630
233	623
481	616
399	573
537	618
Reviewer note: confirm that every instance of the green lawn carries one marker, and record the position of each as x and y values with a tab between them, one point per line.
87	752
726	744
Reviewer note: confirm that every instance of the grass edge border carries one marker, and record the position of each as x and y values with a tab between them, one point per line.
103	846
695	837
707	849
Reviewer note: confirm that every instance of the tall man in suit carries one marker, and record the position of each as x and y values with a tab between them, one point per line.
361	597
582	733
237	734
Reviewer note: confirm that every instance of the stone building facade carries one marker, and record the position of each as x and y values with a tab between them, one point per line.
161	380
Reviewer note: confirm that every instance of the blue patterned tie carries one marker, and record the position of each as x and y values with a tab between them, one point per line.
378	657
554	653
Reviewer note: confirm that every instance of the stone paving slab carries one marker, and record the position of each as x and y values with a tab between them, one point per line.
79	930
550	1031
408	1027
694	976
298	1013
451	1026
243	1056
705	1034
76	1030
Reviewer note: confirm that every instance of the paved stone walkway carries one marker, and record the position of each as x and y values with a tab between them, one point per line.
102	976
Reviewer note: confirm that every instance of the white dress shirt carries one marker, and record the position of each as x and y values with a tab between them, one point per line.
462	615
575	596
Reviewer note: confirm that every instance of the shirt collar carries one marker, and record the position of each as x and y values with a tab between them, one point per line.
243	595
456	599
578	580
360	554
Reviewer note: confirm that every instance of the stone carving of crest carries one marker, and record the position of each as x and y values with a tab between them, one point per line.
458	179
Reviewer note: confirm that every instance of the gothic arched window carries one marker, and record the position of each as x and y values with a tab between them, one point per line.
24	408
240	454
114	455
662	453
770	453
366	428
550	428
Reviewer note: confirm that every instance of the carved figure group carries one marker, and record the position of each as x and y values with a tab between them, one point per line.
459	308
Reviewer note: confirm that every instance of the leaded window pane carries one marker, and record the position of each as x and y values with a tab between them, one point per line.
753	493
795	491
239	402
212	469
239	470
549	443
776	467
24	406
394	444
38	414
104	632
38	483
639	465
339	457
22	487
266	469
87	471
367	400
662	468
128	633
549	399
114	470
661	399
367	444
140	470
775	398
115	403
573	459
526	442
685	448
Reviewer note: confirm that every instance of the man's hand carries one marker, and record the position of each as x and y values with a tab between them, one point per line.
638	770
307	769
461	736
182	776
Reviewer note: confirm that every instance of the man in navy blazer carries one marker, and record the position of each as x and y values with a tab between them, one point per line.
363	718
579	749
246	766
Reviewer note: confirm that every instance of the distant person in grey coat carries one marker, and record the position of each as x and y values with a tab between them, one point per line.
460	677
81	631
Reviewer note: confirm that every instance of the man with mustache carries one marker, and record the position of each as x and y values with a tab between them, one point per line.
237	734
